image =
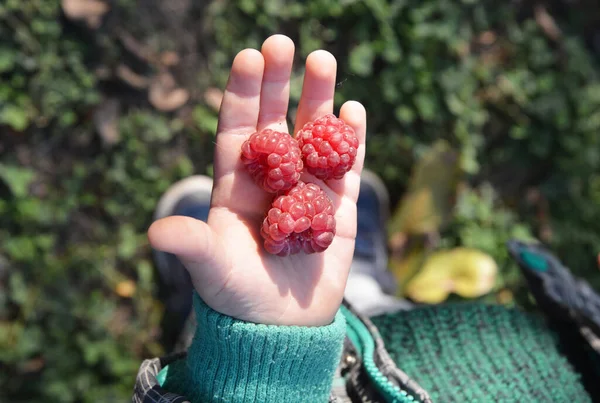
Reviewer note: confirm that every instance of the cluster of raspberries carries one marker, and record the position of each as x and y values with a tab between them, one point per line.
301	217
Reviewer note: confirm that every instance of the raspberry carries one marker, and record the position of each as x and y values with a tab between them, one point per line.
273	160
301	219
329	147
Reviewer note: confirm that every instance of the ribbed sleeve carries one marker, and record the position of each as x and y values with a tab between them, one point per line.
236	361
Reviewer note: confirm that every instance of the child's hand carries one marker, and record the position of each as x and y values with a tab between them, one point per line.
228	265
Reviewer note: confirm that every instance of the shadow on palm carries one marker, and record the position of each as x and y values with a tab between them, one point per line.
237	221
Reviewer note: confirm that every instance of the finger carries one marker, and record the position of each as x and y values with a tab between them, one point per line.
241	100
194	243
278	52
355	116
239	110
318	88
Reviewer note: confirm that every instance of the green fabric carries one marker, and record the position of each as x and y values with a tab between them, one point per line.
161	377
365	346
480	353
236	361
534	260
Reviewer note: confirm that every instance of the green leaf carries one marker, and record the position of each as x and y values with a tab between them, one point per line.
426	105
15	117
17	179
144	271
7	59
361	59
205	119
404	114
128	242
248	6
18	289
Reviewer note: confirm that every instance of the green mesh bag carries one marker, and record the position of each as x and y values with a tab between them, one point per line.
481	353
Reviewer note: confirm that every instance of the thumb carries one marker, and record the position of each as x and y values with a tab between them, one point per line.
195	244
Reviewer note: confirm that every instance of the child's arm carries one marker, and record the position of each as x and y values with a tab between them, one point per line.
238	283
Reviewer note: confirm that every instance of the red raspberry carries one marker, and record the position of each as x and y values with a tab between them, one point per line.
273	160
329	147
302	219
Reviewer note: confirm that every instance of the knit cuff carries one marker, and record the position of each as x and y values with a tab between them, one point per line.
232	360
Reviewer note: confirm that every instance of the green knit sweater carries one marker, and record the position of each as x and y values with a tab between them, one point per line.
236	361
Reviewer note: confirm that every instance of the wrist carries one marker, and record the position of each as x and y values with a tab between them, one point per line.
270	308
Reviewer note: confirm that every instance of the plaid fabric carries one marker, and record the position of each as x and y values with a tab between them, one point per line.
147	389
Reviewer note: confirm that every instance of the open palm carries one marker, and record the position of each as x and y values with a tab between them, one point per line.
228	265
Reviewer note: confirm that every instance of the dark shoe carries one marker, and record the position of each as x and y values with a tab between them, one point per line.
369	283
373	211
188	197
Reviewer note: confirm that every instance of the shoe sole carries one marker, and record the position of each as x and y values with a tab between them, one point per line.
197	184
384	278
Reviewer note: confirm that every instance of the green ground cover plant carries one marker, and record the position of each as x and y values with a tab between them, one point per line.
87	147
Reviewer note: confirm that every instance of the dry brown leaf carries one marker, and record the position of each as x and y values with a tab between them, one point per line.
164	94
398	242
106	120
90	11
533	195
505	297
213	97
119	321
546	22
125	288
33	365
131	78
169	58
487	38
463	49
138	48
103	73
